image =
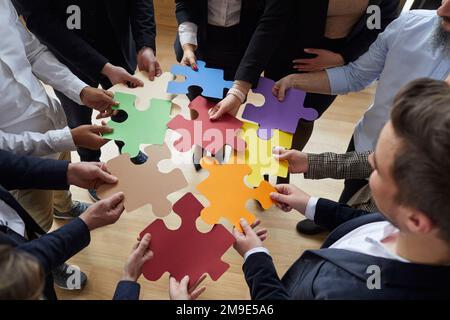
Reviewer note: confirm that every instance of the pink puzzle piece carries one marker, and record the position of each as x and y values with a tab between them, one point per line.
274	114
186	251
211	135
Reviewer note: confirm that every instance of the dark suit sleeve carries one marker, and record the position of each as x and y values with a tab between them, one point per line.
330	214
24	172
265	41
143	24
44	22
262	278
55	248
363	38
127	290
188	11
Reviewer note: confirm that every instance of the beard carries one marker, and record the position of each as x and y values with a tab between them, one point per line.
441	38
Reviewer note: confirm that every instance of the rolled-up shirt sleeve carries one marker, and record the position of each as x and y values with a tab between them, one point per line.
187	32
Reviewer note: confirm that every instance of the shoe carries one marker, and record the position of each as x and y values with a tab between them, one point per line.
93	195
68	277
309	228
197	165
77	209
141	158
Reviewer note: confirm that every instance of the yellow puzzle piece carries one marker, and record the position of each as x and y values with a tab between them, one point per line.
258	154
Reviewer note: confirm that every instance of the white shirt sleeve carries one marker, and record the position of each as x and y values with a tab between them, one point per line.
187	32
37	144
255	250
310	211
48	69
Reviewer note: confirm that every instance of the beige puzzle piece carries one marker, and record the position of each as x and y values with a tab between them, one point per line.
156	89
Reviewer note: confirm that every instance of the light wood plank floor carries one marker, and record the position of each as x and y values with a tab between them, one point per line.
104	258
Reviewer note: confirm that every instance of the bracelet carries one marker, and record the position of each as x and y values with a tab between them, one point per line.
237	93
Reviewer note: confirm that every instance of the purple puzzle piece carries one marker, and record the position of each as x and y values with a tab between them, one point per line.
274	114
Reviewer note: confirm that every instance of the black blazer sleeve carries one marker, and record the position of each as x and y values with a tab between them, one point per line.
361	38
189	11
265	40
127	290
43	21
143	24
54	248
24	172
262	278
330	214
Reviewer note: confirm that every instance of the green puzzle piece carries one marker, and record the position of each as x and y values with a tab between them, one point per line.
141	127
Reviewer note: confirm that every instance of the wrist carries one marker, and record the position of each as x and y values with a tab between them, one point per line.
70	174
127	277
189	47
237	94
107	68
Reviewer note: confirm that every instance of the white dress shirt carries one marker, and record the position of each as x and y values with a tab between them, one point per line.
31	122
221	13
10	219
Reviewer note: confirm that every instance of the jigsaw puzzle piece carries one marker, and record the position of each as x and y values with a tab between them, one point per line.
258	154
187	251
140	127
209	79
274	114
210	135
144	184
226	182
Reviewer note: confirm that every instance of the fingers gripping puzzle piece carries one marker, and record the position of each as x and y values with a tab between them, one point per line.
140	127
228	194
209	79
211	135
144	184
187	251
258	154
274	114
155	89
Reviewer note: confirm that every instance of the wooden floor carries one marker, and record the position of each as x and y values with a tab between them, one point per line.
103	260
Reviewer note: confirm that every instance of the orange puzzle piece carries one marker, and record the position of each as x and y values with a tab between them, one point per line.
144	184
228	194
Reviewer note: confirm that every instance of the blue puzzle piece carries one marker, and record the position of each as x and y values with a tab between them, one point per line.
210	80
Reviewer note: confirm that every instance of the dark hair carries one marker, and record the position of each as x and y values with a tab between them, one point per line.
21	275
421	119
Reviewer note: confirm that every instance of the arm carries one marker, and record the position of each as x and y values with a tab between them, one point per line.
42	20
20	172
360	42
127	290
351	165
143	24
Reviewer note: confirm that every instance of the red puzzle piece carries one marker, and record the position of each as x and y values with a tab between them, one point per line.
186	251
211	135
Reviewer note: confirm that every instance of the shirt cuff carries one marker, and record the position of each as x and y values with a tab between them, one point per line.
62	140
255	250
75	89
187	32
338	80
310	211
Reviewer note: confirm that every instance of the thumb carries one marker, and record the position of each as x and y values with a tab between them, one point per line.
282	87
133	80
280	198
193	63
102	129
314	51
105	176
216	113
280	153
246	227
116	199
143	245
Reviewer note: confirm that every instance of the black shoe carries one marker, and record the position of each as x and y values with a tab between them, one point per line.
77	209
197	165
93	195
309	228
68	277
141	158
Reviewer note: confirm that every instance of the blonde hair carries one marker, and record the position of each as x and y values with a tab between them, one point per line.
21	275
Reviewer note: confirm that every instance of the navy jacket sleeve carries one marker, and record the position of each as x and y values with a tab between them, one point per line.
127	290
24	172
330	214
262	278
188	11
361	38
143	24
43	21
56	247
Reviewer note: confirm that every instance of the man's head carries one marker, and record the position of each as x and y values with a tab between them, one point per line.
441	38
21	275
411	178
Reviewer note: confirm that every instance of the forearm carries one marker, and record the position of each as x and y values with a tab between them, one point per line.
314	82
127	290
143	24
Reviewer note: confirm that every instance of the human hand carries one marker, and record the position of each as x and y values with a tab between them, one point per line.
98	99
141	254
189	58
250	239
180	290
104	212
298	161
89	175
280	88
228	105
147	62
324	59
117	75
89	136
290	197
